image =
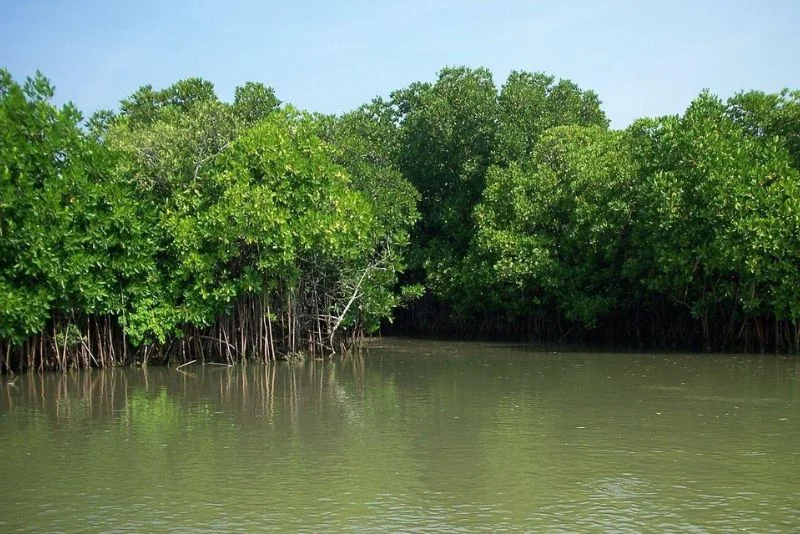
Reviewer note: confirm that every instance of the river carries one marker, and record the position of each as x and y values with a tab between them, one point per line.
425	436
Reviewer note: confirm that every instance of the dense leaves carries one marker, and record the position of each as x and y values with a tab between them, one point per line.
556	229
222	229
72	237
681	230
180	226
254	204
719	223
451	133
694	217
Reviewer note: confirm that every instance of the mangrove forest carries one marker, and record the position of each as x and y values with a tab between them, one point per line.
181	227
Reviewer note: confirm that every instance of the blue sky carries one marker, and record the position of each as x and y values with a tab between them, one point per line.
644	58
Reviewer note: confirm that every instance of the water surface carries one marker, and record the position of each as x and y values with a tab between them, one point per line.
413	436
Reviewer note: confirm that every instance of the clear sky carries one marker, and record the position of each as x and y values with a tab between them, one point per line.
643	57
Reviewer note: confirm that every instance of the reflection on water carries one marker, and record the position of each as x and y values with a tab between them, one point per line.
411	436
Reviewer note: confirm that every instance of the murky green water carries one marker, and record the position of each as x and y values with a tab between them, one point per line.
415	436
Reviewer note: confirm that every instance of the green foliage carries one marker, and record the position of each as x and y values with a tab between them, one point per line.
765	115
448	132
253	102
169	213
719	225
71	238
531	207
452	135
530	104
181	213
556	227
146	105
252	201
367	142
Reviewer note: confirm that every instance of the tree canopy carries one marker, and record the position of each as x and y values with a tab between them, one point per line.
183	225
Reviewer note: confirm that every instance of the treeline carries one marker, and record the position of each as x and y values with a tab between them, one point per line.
183	227
180	227
538	221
